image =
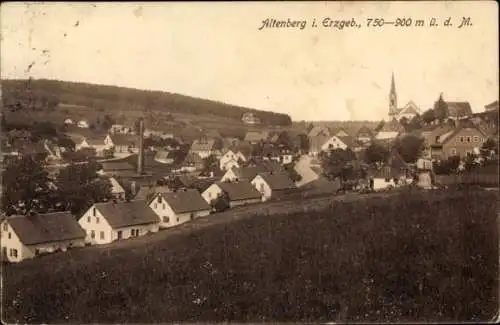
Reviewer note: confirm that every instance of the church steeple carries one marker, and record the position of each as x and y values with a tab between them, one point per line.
393	98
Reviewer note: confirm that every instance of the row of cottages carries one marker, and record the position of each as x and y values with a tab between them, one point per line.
24	237
238	193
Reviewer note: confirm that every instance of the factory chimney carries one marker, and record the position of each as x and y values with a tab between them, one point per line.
140	156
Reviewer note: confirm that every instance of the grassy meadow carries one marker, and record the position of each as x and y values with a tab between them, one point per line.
416	256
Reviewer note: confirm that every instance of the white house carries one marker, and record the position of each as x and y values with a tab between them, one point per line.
117	191
121	129
83	124
203	147
387	135
333	142
110	221
174	208
68	121
96	143
273	185
24	237
238	193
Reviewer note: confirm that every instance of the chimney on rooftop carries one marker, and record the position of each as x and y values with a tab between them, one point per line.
140	157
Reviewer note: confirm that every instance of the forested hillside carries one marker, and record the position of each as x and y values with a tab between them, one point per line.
47	94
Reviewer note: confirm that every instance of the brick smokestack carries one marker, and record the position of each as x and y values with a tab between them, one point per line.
140	156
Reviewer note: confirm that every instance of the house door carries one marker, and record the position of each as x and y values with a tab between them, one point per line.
120	234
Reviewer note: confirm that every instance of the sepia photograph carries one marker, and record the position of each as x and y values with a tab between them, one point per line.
322	162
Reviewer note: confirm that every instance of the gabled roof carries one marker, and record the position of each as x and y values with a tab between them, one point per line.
94	141
145	191
278	181
185	201
116	165
46	228
492	106
124	139
248	173
256	136
347	140
316	130
364	132
242	190
409	108
451	134
125	214
459	109
115	186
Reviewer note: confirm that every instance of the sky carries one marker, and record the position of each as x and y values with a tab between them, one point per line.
216	51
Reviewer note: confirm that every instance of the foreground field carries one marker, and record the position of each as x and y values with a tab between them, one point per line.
410	257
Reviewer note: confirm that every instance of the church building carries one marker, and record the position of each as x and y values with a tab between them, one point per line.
408	111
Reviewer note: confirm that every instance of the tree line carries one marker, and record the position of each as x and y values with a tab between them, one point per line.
28	187
23	93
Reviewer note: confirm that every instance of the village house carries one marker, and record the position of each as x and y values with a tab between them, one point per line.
110	221
337	142
461	141
317	137
251	170
364	134
175	208
68	121
408	112
231	159
203	147
238	193
122	144
149	133
83	124
459	110
250	118
273	185
24	237
98	144
192	162
254	137
117	191
116	168
280	155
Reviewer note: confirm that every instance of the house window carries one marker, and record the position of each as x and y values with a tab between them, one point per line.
166	219
96	219
262	187
156	205
37	252
159	199
9	235
119	234
163	206
101	234
13	252
461	139
476	138
93	212
177	219
4	251
92	234
5	227
453	151
88	219
468	139
437	138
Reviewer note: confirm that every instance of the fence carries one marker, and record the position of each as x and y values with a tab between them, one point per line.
469	179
